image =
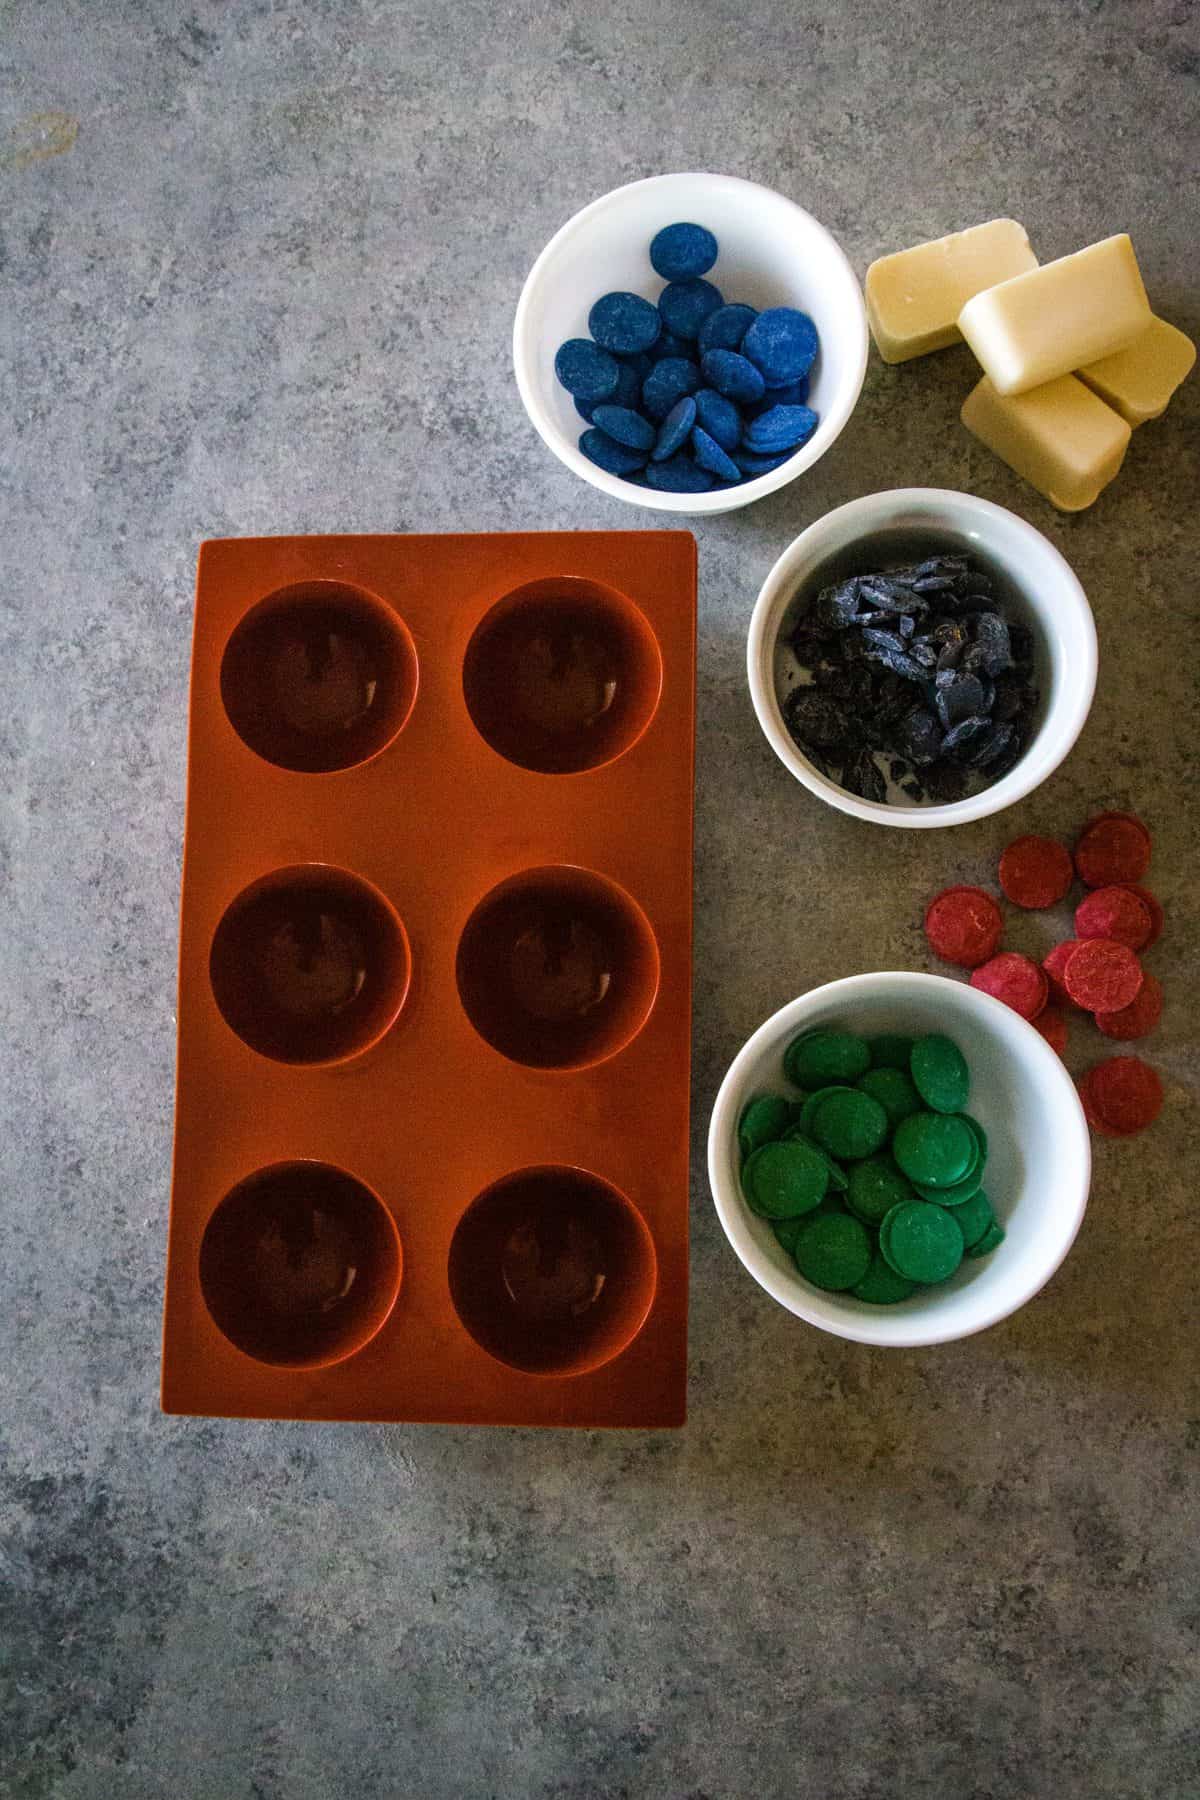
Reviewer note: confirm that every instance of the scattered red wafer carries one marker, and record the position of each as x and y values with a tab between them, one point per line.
1053	1026
1036	872
1126	818
1150	902
1124	1093
1054	966
1117	913
1102	976
1098	1124
1016	980
1113	849
963	926
1138	1019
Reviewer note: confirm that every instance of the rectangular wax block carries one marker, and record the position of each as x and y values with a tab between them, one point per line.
914	297
1056	318
1139	380
1059	436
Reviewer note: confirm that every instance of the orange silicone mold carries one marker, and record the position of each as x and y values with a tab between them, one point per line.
431	1145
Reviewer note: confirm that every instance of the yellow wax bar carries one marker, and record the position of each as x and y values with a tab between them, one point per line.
1074	311
914	297
1139	380
1060	436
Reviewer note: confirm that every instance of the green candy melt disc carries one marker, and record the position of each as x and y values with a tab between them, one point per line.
797	1133
993	1236
940	1073
890	1051
781	1180
933	1148
833	1251
823	1056
808	1111
874	1187
973	1218
881	1285
788	1230
849	1124
894	1091
921	1241
978	1133
962	1190
765	1119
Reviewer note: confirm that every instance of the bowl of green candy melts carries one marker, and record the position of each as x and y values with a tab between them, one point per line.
899	1159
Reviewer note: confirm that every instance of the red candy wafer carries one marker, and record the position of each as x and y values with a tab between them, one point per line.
1054	965
1126	818
963	925
1113	849
1098	1124
1117	913
1124	1093
1102	976
1053	1026
1150	902
1036	872
1016	980
1138	1019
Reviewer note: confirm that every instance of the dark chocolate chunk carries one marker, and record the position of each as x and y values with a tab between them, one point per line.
816	720
945	783
837	606
919	736
864	777
991	636
961	698
961	738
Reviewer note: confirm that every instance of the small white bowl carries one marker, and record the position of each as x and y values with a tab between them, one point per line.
1038	585
1039	1154
772	253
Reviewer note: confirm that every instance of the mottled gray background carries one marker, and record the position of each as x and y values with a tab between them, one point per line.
265	284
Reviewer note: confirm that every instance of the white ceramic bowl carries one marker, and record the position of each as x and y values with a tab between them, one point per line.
1039	587
772	253
1039	1161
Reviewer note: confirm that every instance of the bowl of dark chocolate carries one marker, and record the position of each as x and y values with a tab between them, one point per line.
921	658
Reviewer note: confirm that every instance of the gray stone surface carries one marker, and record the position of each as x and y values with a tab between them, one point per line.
257	270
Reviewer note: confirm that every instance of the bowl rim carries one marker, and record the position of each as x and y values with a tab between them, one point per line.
719	500
952	509
732	1211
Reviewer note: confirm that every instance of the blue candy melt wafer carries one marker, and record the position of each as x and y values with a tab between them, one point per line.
780	428
732	375
752	465
709	455
685	305
670	345
679	251
678	475
794	394
783	343
628	392
719	417
607	454
667	382
628	427
624	323
725	328
675	429
586	371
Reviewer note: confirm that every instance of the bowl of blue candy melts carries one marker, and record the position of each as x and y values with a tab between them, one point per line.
691	342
